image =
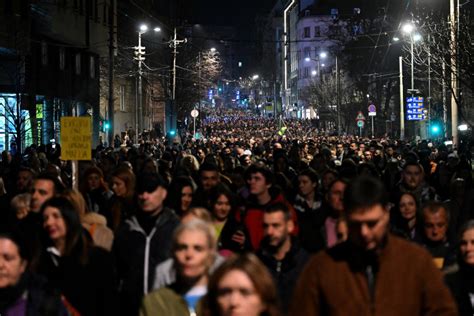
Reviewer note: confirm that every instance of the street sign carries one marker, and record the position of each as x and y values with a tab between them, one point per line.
76	138
360	124
415	109
360	116
372	110
194	113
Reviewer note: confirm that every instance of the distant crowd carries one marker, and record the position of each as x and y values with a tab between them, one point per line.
258	216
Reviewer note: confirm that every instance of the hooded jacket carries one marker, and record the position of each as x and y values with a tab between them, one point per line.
138	253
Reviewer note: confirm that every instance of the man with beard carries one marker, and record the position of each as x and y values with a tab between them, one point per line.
373	272
280	252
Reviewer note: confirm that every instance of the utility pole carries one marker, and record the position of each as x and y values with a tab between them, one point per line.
445	106
429	86
402	101
174	44
139	56
200	89
338	106
454	70
110	109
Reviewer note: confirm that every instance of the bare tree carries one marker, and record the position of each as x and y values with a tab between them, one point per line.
433	53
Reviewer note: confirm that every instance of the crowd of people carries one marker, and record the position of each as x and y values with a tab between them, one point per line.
250	219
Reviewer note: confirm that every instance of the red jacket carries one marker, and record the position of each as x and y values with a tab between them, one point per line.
253	218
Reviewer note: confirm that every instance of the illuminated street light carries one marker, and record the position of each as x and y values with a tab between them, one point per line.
213	49
462	127
157	29
417	37
323	55
143	28
307	59
396	39
314	73
255	77
407	28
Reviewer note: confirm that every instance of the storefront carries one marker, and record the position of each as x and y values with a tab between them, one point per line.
9	123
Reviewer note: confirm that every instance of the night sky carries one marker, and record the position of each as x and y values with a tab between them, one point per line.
232	13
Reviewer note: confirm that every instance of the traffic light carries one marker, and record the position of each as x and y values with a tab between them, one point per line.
172	133
106	125
435	130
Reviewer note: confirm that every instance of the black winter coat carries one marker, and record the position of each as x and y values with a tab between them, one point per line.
286	271
89	287
138	253
461	283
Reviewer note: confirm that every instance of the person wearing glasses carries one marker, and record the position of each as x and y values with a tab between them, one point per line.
373	272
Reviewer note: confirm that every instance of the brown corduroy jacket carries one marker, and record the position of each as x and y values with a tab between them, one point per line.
407	283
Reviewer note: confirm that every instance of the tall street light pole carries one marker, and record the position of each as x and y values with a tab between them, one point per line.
402	101
454	70
338	105
139	56
174	44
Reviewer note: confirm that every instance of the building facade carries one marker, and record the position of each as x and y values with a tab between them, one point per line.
50	54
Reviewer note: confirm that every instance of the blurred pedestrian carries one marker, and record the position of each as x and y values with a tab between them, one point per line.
241	286
373	272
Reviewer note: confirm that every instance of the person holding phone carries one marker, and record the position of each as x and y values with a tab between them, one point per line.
231	235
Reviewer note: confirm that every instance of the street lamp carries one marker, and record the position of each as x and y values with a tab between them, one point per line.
139	56
255	77
408	29
320	56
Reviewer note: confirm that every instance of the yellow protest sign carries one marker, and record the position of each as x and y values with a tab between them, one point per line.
76	138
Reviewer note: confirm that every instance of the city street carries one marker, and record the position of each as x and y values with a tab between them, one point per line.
294	157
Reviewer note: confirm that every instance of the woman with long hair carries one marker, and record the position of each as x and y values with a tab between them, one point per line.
241	286
231	235
122	202
180	195
83	273
405	216
194	251
94	223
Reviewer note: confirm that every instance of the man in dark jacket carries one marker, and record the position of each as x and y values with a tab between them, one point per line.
373	272
143	241
281	253
435	234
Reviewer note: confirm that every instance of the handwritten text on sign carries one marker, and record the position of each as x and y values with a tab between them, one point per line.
76	138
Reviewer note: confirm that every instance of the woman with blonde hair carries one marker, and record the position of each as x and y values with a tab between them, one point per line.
121	203
194	250
20	205
94	223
